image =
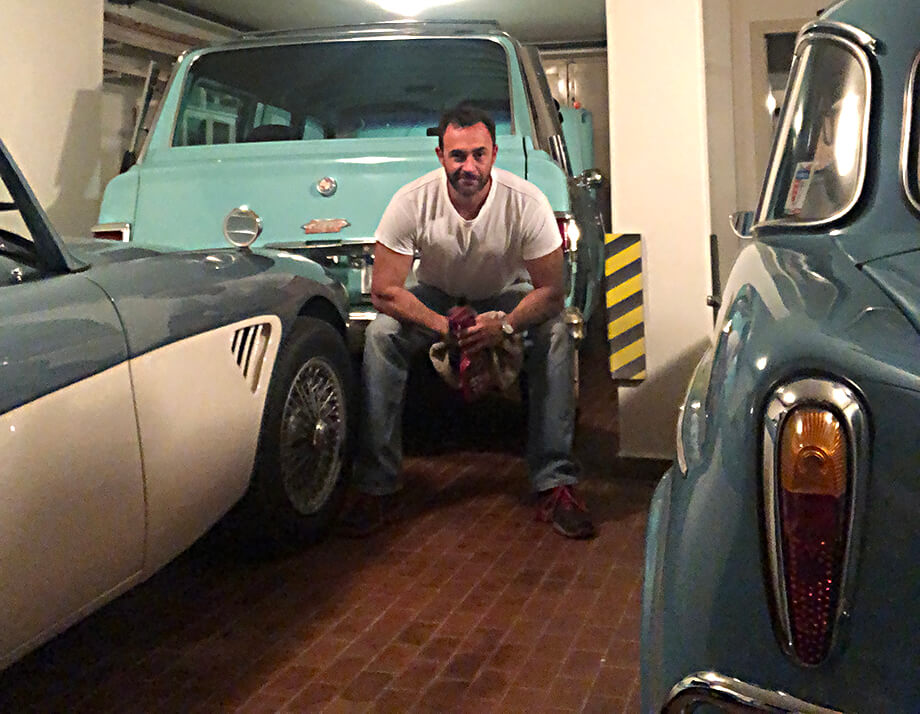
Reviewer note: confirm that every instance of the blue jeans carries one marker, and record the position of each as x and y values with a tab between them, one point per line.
388	350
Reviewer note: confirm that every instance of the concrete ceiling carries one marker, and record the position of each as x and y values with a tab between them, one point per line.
546	22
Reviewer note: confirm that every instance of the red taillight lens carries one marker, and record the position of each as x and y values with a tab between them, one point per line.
112	231
813	524
569	230
562	222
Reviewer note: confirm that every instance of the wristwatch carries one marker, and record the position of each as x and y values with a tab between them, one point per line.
507	328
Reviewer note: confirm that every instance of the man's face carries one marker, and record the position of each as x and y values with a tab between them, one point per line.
467	157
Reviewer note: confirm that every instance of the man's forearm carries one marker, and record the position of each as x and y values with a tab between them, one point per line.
401	304
537	306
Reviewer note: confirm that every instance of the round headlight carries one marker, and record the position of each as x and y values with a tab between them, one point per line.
242	226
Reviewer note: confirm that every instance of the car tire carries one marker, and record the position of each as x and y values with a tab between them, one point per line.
303	458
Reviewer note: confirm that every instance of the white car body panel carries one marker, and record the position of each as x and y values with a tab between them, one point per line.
199	419
78	539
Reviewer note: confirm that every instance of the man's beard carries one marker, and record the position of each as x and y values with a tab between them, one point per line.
465	188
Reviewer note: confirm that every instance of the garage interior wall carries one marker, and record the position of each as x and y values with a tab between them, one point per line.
51	60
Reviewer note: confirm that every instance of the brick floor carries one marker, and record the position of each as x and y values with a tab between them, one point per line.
464	604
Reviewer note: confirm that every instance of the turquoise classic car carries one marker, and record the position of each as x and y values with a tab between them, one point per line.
143	394
781	555
315	130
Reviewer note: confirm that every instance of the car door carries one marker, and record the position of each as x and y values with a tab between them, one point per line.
71	485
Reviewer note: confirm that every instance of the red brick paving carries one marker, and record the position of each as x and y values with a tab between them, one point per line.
464	604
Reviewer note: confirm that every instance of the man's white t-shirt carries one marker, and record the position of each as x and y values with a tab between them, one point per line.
471	259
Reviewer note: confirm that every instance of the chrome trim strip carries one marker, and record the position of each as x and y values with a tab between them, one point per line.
843	30
722	691
906	130
836	396
782	130
123	228
547	129
361	315
155	119
374	28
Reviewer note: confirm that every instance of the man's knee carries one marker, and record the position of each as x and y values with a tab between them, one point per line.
551	333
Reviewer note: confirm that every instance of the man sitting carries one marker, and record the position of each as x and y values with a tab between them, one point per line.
485	236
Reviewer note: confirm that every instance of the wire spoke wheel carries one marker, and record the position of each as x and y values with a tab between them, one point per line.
304	454
313	432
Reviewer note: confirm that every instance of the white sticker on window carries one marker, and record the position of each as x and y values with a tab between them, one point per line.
798	189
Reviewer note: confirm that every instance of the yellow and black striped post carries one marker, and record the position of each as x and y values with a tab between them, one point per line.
625	319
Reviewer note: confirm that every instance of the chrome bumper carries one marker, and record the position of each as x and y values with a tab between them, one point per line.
733	695
358	320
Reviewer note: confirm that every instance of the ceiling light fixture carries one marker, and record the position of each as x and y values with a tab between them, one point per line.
410	8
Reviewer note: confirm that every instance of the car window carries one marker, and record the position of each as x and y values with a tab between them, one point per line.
335	90
818	161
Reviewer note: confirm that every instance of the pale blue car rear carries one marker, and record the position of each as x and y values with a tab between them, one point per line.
782	546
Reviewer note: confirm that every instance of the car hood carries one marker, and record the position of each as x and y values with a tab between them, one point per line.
96	251
899	276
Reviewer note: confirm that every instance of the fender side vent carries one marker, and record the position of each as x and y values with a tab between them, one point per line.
248	348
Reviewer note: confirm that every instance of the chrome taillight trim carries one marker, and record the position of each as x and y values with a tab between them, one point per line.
843	401
123	228
722	691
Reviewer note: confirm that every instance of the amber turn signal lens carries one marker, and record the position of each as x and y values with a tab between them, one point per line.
813	454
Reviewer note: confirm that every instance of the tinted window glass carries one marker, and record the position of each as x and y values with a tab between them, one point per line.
818	162
335	90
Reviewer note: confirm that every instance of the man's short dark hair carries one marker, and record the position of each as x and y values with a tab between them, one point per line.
463	115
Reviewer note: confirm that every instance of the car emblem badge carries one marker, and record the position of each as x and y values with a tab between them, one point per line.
327	186
325	225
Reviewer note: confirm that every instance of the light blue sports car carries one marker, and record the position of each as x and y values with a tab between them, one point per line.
142	395
781	563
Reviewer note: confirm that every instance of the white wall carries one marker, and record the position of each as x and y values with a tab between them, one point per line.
51	67
659	188
720	122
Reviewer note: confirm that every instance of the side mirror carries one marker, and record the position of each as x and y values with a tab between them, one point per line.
590	178
741	222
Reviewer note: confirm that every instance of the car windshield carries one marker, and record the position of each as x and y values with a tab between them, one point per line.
818	161
333	90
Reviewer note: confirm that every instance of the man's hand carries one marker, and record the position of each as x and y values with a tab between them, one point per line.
487	332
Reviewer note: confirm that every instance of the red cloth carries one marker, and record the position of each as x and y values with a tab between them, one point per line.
492	369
